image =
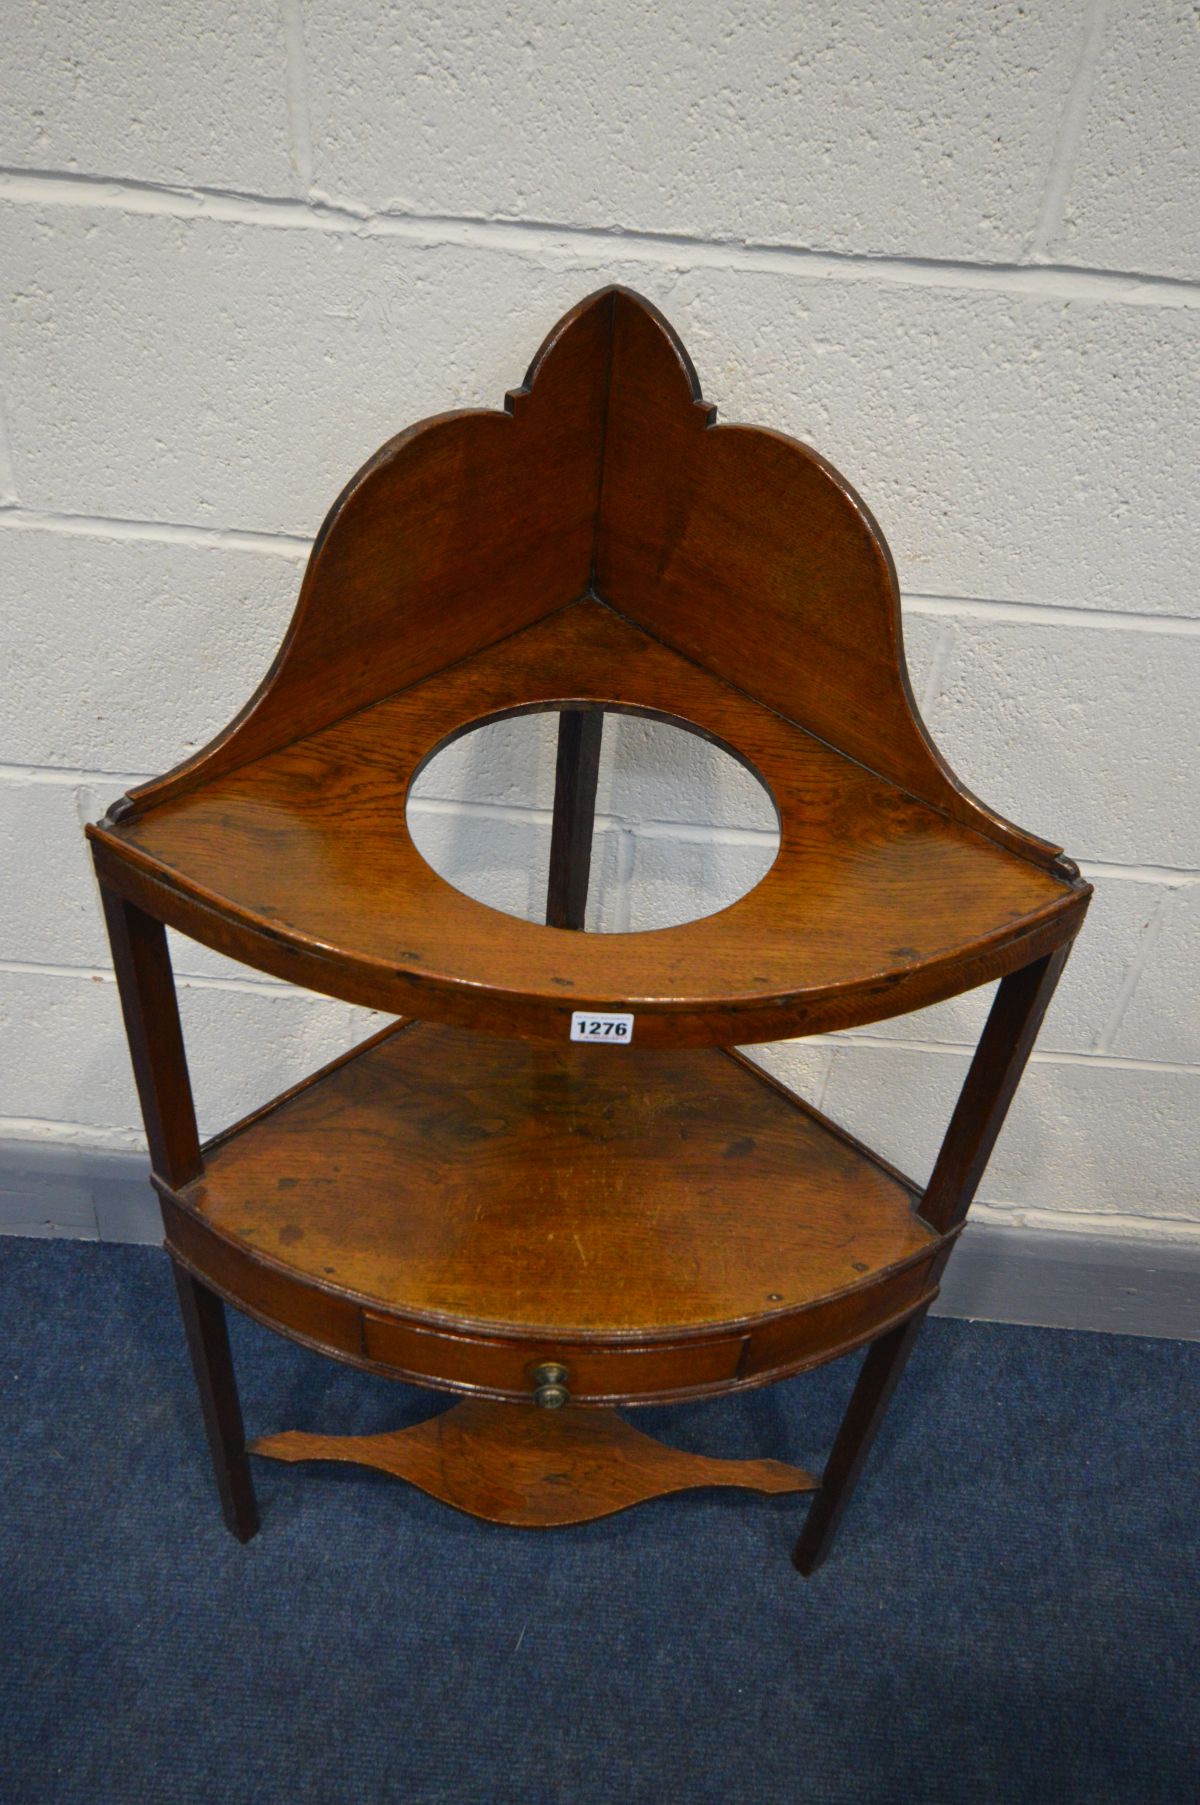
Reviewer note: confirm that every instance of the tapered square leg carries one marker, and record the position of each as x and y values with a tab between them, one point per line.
147	988
885	1361
991	1082
212	1362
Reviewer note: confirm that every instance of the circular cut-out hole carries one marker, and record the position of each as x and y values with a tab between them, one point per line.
683	827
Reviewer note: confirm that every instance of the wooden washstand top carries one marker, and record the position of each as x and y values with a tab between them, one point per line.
600	543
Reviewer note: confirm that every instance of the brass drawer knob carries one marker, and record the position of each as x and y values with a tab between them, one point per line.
550	1385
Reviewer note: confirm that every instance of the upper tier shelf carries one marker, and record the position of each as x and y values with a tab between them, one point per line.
300	863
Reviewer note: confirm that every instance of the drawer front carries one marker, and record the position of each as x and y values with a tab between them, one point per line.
504	1368
507	1366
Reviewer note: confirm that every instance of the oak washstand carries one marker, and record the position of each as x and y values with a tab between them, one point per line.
553	1187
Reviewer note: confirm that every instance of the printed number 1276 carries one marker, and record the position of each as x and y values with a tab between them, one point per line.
608	1030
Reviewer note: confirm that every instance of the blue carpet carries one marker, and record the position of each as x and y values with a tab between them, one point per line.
1010	1614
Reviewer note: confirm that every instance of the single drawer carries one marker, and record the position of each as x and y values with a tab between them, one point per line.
506	1367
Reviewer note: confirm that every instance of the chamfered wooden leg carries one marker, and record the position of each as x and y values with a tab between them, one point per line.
147	988
146	985
872	1394
580	731
212	1362
989	1087
995	1071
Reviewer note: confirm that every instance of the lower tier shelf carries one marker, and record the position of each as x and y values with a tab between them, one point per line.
535	1469
458	1211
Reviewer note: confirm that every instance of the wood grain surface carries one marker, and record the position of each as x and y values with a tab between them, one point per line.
535	1469
875	904
487	1185
606	473
599	543
747	550
457	531
658	1220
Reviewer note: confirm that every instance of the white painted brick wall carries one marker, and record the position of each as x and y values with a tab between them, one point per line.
113	89
955	245
199	622
908	126
1015	446
1132	195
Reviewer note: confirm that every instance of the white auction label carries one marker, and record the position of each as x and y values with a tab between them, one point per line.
602	1030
